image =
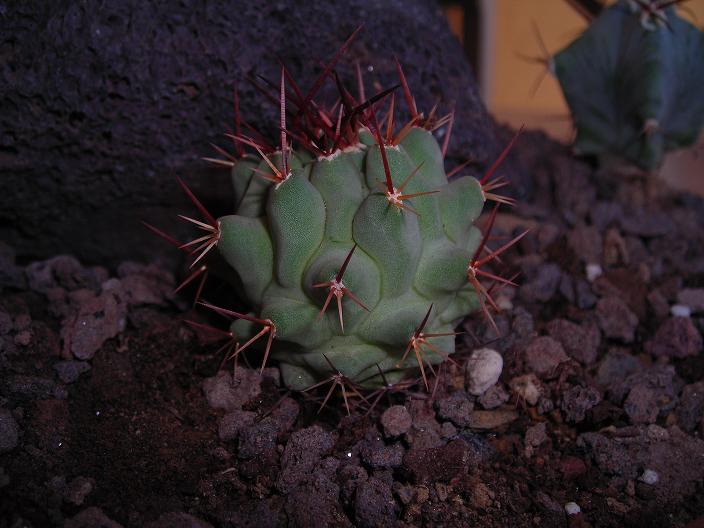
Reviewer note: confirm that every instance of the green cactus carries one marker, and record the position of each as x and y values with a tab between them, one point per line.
356	254
633	81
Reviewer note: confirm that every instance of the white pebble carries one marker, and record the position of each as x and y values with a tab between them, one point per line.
483	370
593	271
572	508
504	303
650	477
680	310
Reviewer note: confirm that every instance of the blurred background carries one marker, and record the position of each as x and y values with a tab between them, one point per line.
498	37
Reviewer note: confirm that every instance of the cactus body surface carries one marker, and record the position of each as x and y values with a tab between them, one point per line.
286	240
355	254
633	81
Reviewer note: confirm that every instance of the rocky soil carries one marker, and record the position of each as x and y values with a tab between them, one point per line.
113	412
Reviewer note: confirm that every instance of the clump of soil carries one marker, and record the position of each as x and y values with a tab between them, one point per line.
113	412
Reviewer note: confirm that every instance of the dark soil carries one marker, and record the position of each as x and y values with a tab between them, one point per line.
113	412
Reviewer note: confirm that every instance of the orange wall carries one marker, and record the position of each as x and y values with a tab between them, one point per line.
508	78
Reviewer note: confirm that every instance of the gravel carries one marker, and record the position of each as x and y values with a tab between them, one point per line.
285	413
304	450
680	310
627	452
543	356
69	371
543	286
374	504
572	508
9	431
615	367
690	410
649	477
494	397
579	342
677	337
586	242
482	370
485	420
577	400
527	387
616	319
377	455
396	421
535	435
98	318
692	298
258	439
228	392
650	393
233	422
78	489
457	408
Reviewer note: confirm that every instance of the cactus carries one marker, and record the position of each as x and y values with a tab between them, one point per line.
633	82
356	254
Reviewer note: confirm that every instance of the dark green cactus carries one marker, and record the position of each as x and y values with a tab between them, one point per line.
633	81
355	253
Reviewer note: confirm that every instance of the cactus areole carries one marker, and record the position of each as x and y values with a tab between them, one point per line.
357	256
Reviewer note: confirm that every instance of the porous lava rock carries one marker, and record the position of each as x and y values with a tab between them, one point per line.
102	108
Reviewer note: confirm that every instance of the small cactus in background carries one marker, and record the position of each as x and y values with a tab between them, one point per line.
633	81
356	254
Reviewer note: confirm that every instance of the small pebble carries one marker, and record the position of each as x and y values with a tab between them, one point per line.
649	477
483	370
504	304
543	355
494	397
593	271
693	298
23	338
22	321
535	435
69	371
457	407
447	430
228	392
616	319
680	310
527	387
233	422
656	433
677	337
78	489
577	400
396	421
572	508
